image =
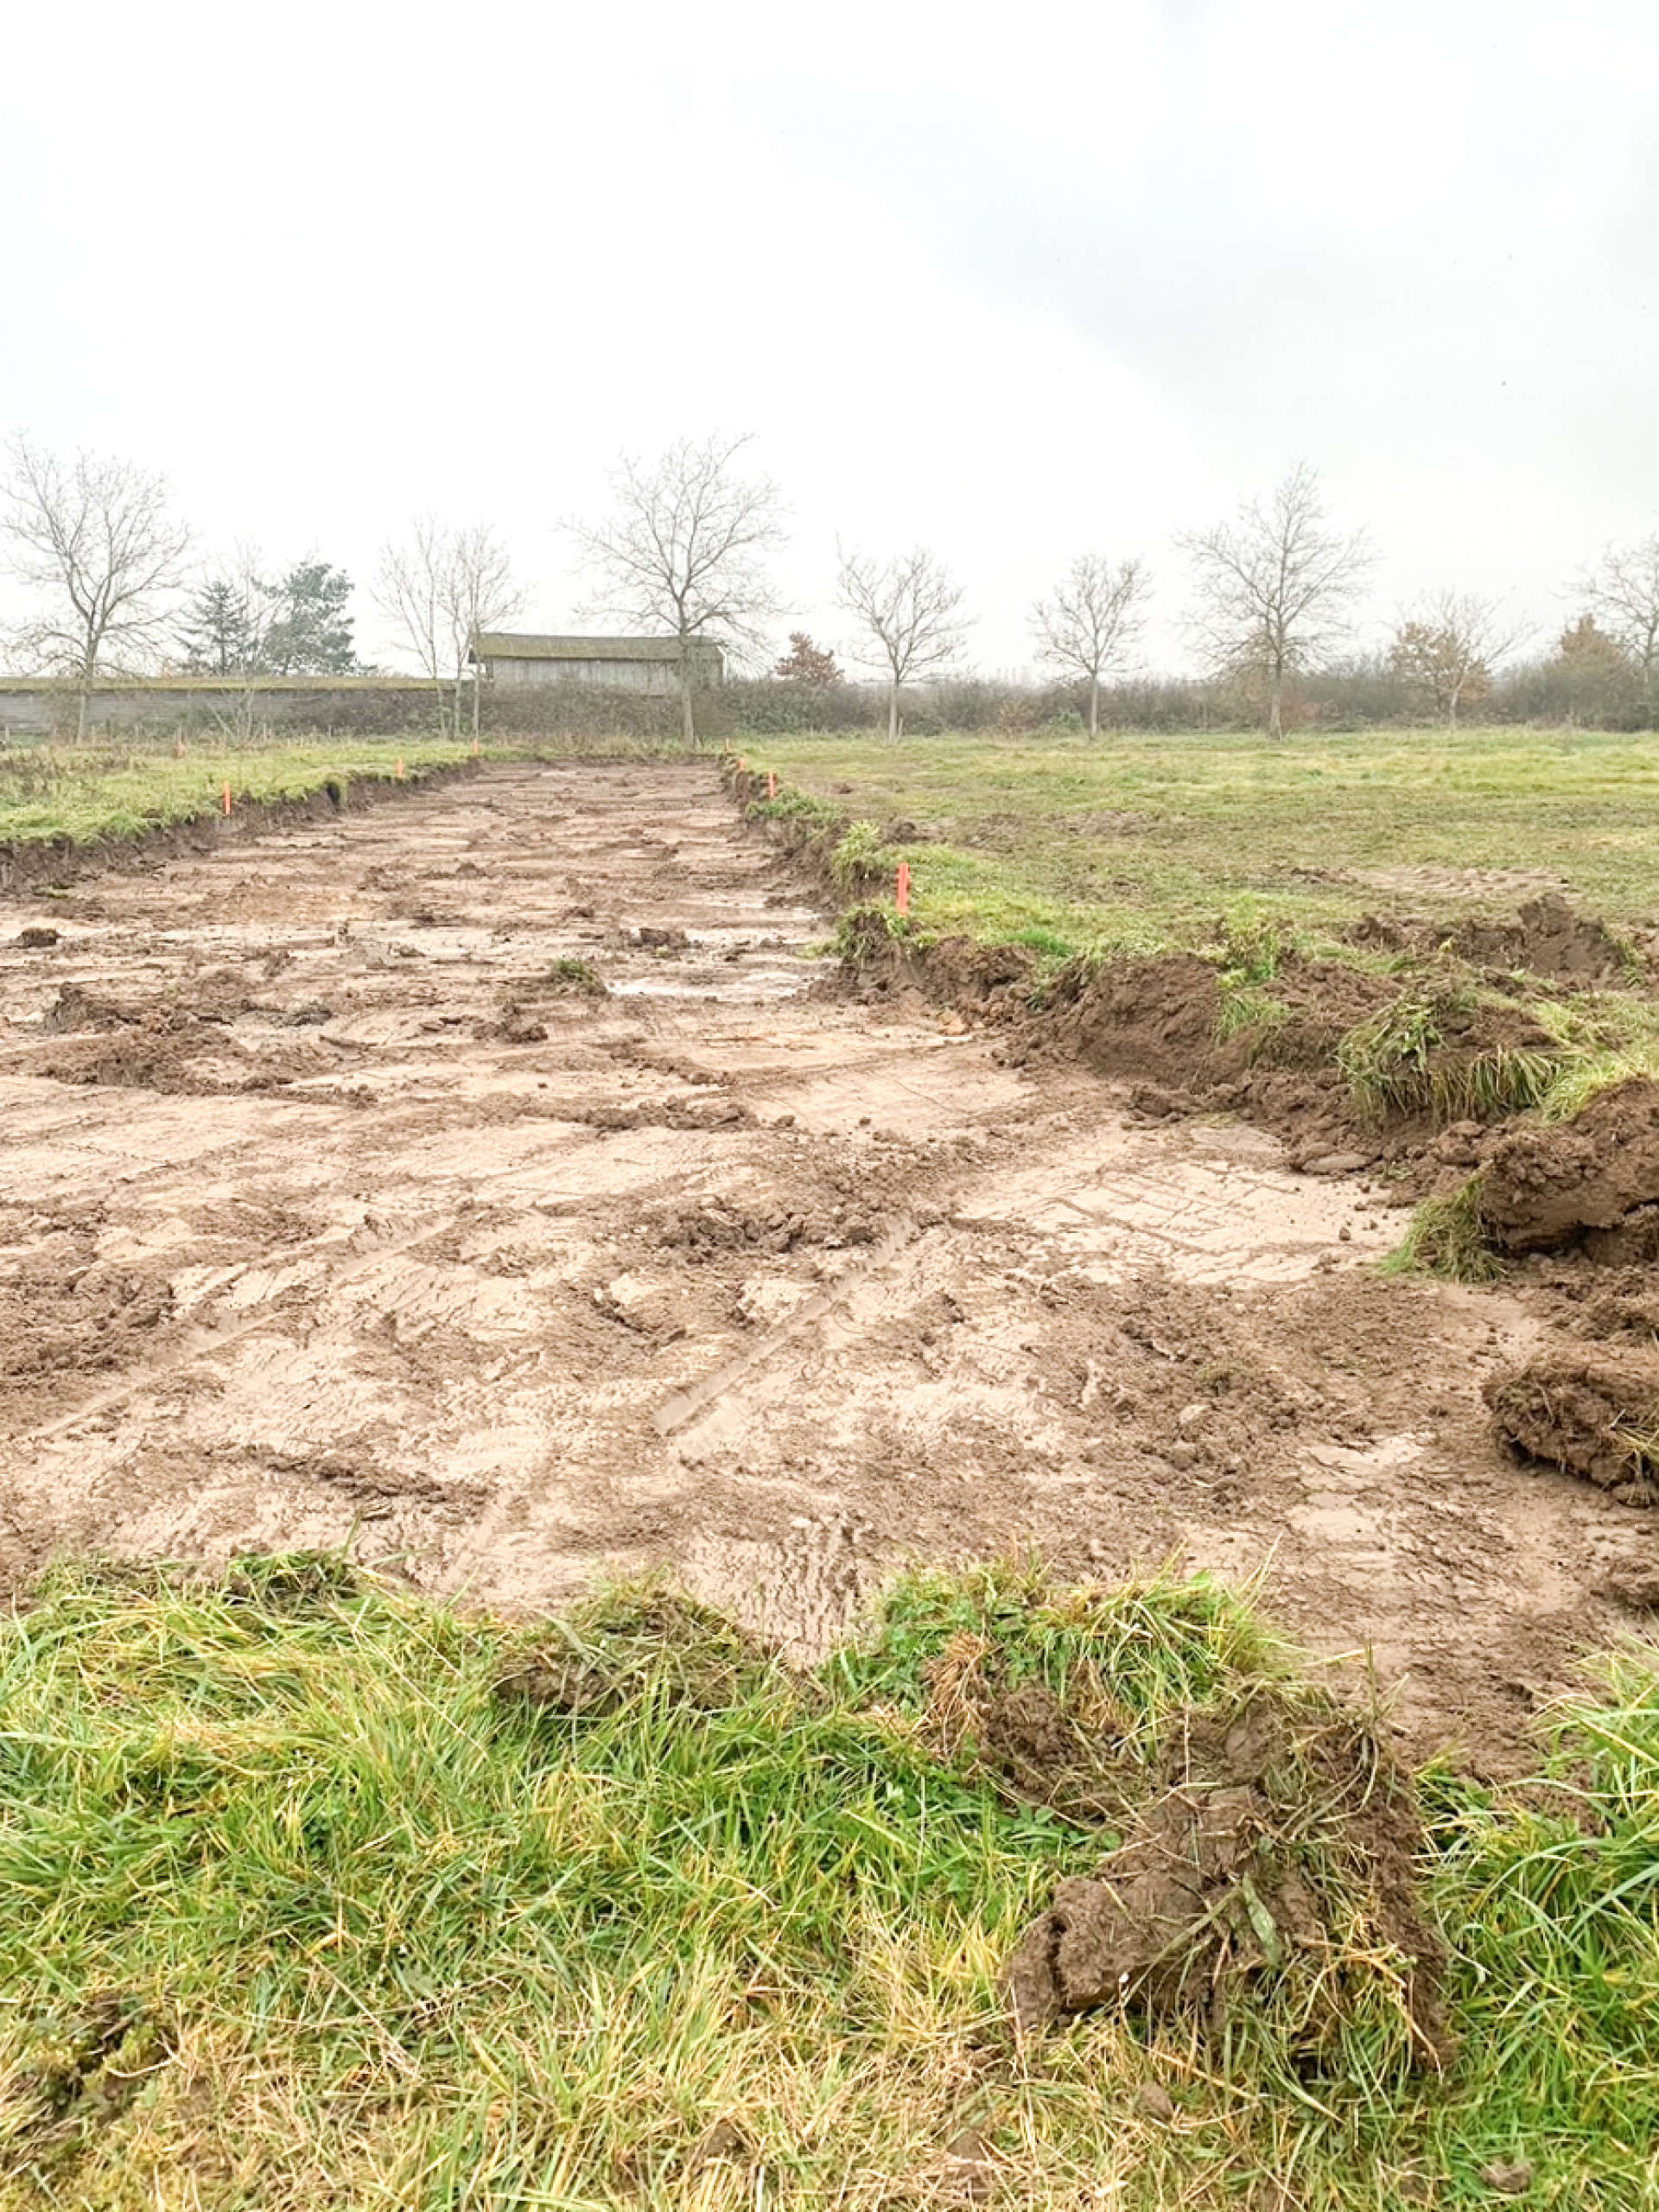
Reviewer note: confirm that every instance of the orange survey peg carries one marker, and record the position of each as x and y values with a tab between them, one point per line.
225	798
901	889
772	784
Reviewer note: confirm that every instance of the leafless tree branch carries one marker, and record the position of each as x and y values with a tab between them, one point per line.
439	586
1622	592
1275	586
685	551
95	537
1449	644
1090	619
909	610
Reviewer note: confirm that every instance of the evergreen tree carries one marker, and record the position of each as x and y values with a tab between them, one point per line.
222	632
309	632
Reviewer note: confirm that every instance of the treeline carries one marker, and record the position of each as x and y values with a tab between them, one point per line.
1270	607
1364	692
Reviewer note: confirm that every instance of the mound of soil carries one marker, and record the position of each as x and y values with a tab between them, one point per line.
716	1225
1546	938
954	969
1596	1415
216	998
1269	1833
137	1060
1154	1018
63	1312
1613	1302
961	970
1593	1183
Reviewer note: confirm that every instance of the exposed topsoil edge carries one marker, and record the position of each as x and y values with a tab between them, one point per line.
1156	1020
62	860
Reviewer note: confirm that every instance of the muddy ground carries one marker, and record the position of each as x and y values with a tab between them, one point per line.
331	1210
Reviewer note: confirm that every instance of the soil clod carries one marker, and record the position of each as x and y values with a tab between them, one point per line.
1272	1839
1587	1183
1593	1414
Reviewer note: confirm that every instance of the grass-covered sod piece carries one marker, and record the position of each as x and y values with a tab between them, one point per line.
320	1897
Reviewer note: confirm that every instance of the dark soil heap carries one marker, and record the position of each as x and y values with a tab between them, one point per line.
1593	1182
1276	1857
1594	1414
1546	938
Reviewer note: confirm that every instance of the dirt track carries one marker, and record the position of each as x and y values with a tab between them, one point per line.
321	1213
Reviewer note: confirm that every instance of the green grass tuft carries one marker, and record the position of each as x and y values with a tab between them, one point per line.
1447	1236
1579	1080
858	858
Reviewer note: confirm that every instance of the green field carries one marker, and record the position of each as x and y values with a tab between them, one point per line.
85	793
1141	842
304	1911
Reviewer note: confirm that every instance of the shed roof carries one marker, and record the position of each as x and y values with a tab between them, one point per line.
523	644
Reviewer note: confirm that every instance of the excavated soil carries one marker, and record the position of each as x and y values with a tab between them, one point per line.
1593	1183
1262	1834
338	1206
1594	1414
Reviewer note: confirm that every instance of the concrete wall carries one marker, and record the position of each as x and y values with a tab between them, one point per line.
45	707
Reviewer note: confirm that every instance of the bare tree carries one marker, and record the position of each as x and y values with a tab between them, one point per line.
94	535
441	586
1623	590
686	552
1090	620
1449	646
909	608
1275	586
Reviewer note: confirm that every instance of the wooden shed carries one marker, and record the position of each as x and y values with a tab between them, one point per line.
518	658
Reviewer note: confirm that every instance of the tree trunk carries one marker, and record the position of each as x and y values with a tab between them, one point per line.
475	686
687	720
1276	701
1094	710
893	712
84	713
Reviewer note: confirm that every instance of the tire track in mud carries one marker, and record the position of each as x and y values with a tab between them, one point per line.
370	1217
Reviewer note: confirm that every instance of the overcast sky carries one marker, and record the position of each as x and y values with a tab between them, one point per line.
1009	282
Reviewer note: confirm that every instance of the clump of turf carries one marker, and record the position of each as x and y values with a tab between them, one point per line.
1448	1235
568	972
857	859
1412	1056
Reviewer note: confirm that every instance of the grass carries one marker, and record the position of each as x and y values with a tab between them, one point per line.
302	1911
1139	843
1446	1236
84	794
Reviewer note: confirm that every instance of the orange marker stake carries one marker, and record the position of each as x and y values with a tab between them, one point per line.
226	800
475	748
398	770
772	784
901	888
